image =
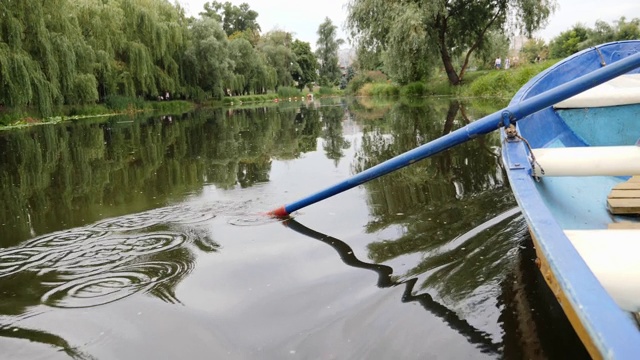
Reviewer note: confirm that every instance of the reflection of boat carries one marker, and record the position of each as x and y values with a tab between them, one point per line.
562	175
534	326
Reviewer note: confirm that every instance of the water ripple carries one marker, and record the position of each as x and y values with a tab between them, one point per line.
179	214
106	287
111	259
256	220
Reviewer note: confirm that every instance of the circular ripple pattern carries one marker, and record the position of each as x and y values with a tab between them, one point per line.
116	284
45	251
180	214
112	259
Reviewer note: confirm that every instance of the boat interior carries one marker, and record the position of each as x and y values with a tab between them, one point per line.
588	174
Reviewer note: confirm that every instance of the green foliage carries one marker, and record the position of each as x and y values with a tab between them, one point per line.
496	44
85	110
359	80
580	37
171	107
415	89
380	89
208	57
568	42
327	48
276	47
121	103
505	83
233	18
406	42
408	36
534	50
307	62
248	68
326	90
287	92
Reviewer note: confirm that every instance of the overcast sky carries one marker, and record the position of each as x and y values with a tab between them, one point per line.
303	17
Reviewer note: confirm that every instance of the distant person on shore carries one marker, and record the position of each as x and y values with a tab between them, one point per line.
498	63
507	63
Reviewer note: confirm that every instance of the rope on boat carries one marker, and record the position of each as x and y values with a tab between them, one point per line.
512	135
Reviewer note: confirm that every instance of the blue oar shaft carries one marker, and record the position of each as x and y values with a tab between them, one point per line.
479	127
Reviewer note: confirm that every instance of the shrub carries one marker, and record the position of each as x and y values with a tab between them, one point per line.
379	89
287	92
359	80
120	103
505	83
415	89
325	90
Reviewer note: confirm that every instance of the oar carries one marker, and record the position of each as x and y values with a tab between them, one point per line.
487	124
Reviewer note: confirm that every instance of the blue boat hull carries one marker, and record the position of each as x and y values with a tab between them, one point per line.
556	204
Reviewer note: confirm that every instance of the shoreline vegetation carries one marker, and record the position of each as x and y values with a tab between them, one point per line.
478	84
89	58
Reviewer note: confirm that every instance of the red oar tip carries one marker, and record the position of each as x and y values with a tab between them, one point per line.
279	212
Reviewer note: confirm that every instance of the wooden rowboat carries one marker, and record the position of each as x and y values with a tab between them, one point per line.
574	169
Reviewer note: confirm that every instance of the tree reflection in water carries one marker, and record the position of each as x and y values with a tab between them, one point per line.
102	194
101	263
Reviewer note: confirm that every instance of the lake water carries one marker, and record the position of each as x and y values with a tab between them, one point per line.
143	238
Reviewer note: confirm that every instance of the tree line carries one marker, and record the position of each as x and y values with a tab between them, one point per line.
580	37
408	40
74	52
411	41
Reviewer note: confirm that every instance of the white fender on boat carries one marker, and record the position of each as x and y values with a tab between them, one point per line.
588	161
622	90
612	256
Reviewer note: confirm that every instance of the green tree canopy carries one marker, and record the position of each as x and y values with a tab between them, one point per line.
568	42
250	68
534	49
409	34
44	58
233	18
307	62
580	37
276	46
207	57
327	53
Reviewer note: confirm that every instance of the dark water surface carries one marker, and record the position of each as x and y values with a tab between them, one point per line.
142	238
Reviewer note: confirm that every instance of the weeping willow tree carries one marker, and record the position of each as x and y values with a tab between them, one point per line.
74	52
276	46
138	45
46	63
250	68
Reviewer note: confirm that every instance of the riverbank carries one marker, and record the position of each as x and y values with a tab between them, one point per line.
15	118
477	84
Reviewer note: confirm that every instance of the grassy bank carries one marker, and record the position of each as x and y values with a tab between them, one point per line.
479	83
112	106
504	83
283	94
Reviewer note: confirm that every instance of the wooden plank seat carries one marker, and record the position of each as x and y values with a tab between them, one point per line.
612	256
624	199
624	225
